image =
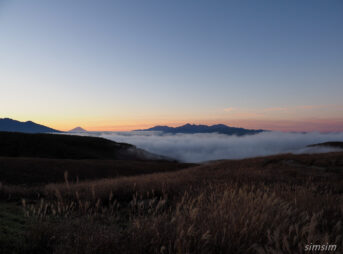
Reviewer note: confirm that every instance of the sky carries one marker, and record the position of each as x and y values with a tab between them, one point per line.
123	65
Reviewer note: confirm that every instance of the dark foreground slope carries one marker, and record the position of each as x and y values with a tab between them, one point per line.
30	159
276	204
68	147
38	171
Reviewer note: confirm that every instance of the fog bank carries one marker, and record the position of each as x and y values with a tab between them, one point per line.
213	146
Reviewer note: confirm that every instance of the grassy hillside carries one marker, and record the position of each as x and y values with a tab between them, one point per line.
67	147
30	161
38	171
275	204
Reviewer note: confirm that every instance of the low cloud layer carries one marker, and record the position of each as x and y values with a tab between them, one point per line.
205	147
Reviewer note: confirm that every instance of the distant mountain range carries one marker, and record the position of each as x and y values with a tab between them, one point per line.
193	128
78	129
10	125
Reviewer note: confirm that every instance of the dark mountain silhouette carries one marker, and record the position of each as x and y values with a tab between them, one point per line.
10	125
59	146
336	144
78	129
193	128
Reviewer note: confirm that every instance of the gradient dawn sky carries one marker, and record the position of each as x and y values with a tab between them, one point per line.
122	65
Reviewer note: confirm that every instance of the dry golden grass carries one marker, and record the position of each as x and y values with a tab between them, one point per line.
274	204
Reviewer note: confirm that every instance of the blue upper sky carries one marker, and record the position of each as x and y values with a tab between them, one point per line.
124	64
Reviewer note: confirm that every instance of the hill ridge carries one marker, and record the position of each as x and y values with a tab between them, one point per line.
60	146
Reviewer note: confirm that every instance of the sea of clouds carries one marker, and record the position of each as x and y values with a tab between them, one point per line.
213	146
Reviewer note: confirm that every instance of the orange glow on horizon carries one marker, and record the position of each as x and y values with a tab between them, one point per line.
321	125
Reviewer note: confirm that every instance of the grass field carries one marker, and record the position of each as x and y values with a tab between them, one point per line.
275	204
38	171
